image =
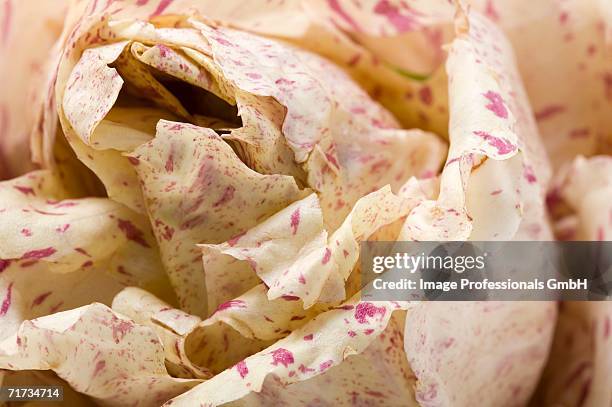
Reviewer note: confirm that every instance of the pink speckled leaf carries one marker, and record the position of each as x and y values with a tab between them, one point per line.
378	376
495	163
239	328
580	199
198	191
260	142
350	153
178	65
284	251
269	68
578	369
57	253
99	353
170	324
92	89
255	317
417	100
83	106
569	39
337	334
294	254
363	159
477	352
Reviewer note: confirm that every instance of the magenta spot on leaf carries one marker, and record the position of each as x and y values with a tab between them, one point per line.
365	310
283	81
131	232
290	297
302	279
326	256
166	231
579	133
163	50
282	356
380	166
295	220
4	264
56	307
354	60
584	392
40	299
232	242
577	372
100	365
548	111
391	12
352	334
496	104
6	303
228	195
66	204
231	304
48	213
82	251
62	228
529	174
553	198
490	11
308	337
325	365
502	145
331	158
223	41
425	95
447	343
133	160
304	369
25	190
38	254
337	8
170	163
161	7
242	368
120	328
